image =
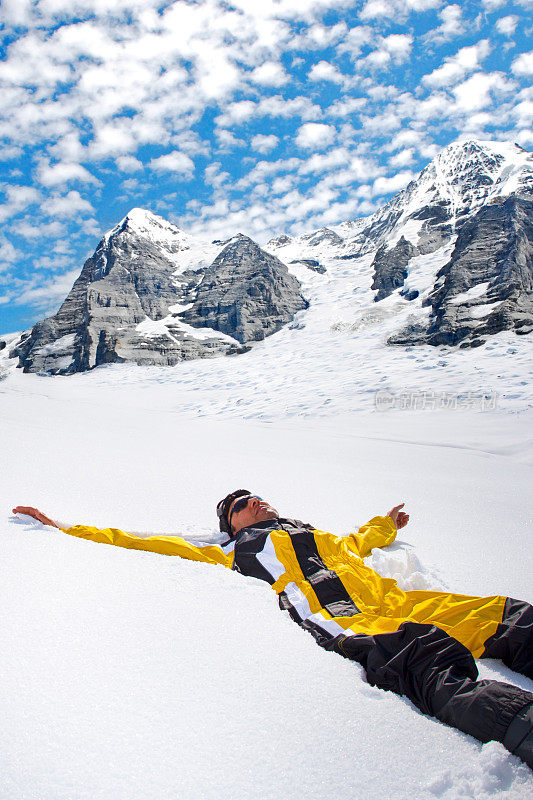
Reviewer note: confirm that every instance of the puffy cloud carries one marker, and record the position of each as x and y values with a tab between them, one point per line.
269	74
452	24
395	9
380	123
174	162
346	107
227	140
375	9
491	5
8	252
320	162
128	163
383	186
324	71
507	25
18	198
30	229
64	172
273	106
523	65
398	45
356	40
313	135
263	143
238	112
458	66
69	205
402	159
319	36
475	93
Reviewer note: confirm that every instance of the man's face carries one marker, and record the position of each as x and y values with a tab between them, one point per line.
246	511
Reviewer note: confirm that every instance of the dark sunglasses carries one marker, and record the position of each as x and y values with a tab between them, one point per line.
241	503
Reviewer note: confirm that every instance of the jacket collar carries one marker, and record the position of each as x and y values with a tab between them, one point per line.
279	523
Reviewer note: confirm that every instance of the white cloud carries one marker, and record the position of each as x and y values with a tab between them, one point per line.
402	159
64	172
384	186
18	198
128	163
507	25
269	74
356	40
405	138
318	36
8	252
313	135
475	93
113	139
378	59
396	9
263	143
174	162
320	162
452	25
398	45
30	229
69	205
375	9
227	140
525	137
523	65
214	176
237	113
324	71
524	112
346	107
458	66
378	124
51	292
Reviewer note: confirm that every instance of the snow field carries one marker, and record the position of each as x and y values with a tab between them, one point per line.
131	675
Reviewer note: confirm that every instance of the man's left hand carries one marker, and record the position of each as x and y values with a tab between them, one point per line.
400	518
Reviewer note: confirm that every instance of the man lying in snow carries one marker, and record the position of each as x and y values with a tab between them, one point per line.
421	644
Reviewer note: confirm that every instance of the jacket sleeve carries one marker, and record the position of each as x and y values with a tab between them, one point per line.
166	545
378	532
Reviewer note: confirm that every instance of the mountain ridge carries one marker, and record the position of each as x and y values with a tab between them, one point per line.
153	294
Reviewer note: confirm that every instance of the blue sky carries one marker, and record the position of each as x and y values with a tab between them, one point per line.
233	115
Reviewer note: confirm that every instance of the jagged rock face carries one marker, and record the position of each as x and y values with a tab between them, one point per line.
459	180
127	279
153	295
246	293
129	302
390	267
487	286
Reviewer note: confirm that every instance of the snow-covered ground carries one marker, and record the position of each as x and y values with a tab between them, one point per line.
134	676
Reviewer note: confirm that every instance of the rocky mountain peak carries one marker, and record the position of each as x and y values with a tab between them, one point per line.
246	293
139	223
452	253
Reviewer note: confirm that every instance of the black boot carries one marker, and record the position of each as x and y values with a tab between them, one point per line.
519	736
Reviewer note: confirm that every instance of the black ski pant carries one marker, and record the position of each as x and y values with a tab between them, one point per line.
439	675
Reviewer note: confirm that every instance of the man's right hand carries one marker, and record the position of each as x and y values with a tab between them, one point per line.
36	514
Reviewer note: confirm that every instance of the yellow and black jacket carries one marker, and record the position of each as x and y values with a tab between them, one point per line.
323	582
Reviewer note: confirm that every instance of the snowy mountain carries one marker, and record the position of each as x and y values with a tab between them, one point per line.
150	295
449	258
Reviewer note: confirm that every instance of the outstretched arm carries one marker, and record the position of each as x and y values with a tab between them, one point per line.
165	545
379	531
36	514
